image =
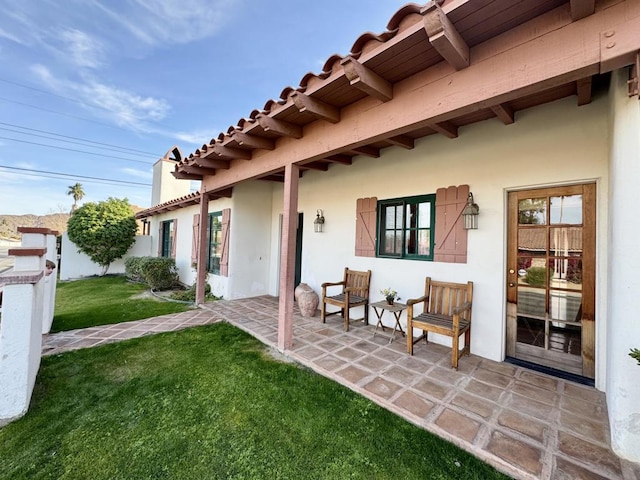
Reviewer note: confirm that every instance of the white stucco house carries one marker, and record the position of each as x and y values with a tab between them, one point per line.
530	106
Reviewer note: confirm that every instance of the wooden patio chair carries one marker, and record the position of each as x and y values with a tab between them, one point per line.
355	293
446	310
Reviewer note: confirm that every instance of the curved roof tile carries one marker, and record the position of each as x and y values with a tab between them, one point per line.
394	24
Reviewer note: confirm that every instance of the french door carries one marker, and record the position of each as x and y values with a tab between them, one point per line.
551	278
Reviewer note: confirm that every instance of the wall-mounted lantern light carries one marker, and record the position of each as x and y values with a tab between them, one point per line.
470	214
318	222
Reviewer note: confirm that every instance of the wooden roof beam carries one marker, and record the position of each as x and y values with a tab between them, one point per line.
230	153
582	8
226	193
367	80
367	151
447	129
209	162
504	112
279	127
583	89
196	170
343	159
323	167
401	141
185	176
273	178
444	37
251	141
315	107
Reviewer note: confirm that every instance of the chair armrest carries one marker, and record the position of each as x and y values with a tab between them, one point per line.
462	308
413	301
332	284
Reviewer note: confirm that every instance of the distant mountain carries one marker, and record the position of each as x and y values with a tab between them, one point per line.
55	221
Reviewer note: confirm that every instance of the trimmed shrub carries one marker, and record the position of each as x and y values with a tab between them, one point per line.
537	276
160	273
133	268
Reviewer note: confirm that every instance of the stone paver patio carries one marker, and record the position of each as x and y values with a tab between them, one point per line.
526	424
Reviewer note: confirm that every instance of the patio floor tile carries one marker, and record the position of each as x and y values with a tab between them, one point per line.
525	423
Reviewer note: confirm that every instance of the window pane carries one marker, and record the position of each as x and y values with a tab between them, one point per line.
389	242
566	209
424	242
532	211
531	301
393	217
411	244
532	241
566	242
565	305
424	215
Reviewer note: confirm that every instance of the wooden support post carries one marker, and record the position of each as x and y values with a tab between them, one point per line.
203	248
288	257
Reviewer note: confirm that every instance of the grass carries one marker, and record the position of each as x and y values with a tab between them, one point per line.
211	403
104	300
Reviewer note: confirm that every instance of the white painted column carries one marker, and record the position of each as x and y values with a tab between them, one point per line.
623	327
44	237
21	331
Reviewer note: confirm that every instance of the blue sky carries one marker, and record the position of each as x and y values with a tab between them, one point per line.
122	81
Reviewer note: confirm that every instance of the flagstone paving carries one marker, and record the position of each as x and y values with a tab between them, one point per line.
527	424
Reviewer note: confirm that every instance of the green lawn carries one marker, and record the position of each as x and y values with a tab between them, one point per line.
104	300
211	403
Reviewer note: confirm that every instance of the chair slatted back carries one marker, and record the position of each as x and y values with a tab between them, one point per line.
358	280
445	296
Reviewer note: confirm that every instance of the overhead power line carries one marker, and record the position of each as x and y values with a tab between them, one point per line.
75	150
124	149
47	174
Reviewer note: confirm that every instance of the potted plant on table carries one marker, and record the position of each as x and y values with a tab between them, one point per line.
390	295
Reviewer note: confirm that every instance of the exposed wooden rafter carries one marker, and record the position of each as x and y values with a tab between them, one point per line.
209	162
315	107
198	170
401	141
583	89
185	176
367	151
251	141
230	153
343	159
226	193
321	166
582	8
447	129
504	112
366	80
279	127
444	37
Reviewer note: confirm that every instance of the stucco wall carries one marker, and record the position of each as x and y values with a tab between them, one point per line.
74	264
623	328
552	144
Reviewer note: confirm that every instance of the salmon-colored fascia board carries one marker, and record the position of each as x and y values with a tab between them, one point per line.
41	230
497	74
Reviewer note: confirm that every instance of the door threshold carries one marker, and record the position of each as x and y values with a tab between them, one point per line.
551	371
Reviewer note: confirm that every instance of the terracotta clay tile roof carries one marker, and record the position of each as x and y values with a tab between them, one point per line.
187	200
534	240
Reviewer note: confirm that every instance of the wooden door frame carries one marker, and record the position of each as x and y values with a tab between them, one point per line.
588	343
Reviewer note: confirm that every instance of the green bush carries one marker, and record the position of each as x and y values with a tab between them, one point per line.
537	276
160	273
133	268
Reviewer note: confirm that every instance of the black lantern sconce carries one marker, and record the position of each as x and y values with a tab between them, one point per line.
470	214
318	222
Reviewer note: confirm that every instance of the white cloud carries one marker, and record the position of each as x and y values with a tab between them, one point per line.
83	49
124	108
132	172
158	22
196	137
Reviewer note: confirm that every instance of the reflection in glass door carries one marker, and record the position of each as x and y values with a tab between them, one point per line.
550	278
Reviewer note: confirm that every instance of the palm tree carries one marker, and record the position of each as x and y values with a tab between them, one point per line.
77	192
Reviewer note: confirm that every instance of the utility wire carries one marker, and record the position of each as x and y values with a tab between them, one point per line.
74	150
67	141
155	155
32	172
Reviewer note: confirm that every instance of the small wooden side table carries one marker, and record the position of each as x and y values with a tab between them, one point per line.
380	307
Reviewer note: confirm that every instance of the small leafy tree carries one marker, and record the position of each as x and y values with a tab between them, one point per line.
635	354
104	231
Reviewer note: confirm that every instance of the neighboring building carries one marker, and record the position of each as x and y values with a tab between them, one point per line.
532	106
